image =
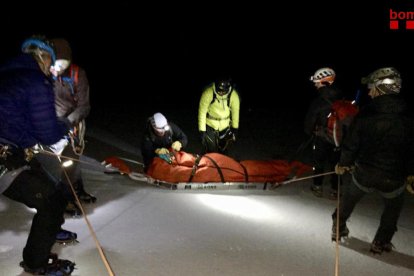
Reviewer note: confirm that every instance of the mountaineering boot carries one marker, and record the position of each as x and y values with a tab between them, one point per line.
73	210
65	236
333	195
85	197
317	190
377	247
55	267
343	232
82	194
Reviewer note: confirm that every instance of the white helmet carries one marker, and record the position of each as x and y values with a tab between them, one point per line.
325	74
159	123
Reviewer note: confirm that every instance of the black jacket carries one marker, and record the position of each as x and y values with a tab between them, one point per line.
319	109
380	143
151	141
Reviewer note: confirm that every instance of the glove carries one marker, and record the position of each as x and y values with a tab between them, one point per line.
410	184
66	121
202	136
59	146
340	170
160	151
234	131
176	146
166	158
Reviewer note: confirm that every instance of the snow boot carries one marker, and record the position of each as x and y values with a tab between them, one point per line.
343	232
73	210
85	197
55	267
317	190
65	237
333	195
82	194
377	247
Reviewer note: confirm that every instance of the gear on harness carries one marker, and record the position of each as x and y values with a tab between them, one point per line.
227	138
4	151
167	157
77	137
410	184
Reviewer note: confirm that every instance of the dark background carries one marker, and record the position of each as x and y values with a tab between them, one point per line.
146	57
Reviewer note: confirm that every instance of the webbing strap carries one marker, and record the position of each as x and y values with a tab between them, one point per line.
246	175
195	167
217	167
217	119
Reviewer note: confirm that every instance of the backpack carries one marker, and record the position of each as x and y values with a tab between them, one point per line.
77	133
228	97
72	80
339	119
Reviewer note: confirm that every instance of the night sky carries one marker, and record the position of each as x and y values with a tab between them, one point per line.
164	54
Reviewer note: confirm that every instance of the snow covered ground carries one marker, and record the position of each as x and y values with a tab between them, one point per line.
146	230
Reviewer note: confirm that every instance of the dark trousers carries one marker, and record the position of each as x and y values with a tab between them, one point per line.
217	141
36	190
325	157
389	218
54	169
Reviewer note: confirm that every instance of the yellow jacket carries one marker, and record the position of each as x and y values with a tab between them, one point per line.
218	114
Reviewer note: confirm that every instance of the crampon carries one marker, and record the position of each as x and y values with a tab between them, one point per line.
55	267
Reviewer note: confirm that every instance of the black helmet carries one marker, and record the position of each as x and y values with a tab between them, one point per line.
223	86
37	45
387	80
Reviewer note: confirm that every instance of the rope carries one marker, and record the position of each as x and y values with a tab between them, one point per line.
92	232
131	161
277	184
337	228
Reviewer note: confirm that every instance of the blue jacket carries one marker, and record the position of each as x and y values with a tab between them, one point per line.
27	106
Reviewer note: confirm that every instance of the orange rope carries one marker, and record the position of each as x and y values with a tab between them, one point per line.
92	232
337	228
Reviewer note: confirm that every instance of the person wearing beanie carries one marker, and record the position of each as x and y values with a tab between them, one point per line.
71	88
160	135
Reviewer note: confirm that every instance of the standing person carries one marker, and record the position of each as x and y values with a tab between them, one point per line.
28	117
218	116
72	105
325	152
378	151
159	136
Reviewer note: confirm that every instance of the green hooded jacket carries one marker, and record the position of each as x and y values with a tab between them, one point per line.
218	114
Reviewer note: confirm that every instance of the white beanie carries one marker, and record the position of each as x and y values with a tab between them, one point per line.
158	121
